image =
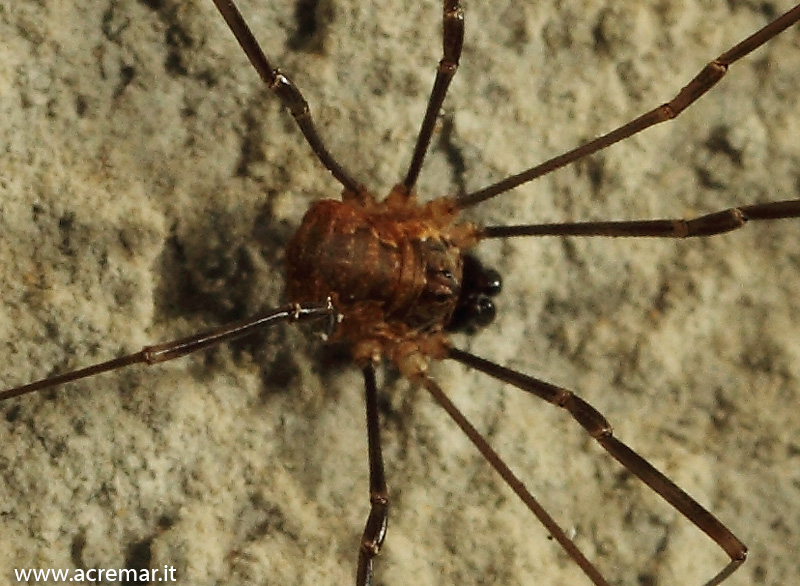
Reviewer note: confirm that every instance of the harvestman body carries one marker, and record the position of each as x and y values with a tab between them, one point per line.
392	277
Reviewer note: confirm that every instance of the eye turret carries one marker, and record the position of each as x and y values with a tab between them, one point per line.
475	308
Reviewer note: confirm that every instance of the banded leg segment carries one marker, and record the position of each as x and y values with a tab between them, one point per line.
600	429
707	225
375	528
511	479
699	85
452	41
287	92
177	348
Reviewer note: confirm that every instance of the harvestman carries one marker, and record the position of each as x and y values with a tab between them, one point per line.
392	277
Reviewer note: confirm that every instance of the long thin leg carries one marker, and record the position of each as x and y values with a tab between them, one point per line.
287	92
511	479
702	82
452	41
176	348
375	528
707	225
600	429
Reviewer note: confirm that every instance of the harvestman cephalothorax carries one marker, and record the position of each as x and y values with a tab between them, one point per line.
404	352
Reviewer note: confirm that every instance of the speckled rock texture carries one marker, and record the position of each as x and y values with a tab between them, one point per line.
148	185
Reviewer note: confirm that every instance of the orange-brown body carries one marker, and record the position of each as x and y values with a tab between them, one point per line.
391	269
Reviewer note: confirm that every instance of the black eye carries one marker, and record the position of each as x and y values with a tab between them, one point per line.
483	311
492	283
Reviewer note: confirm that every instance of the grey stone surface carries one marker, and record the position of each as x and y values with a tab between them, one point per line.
148	182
